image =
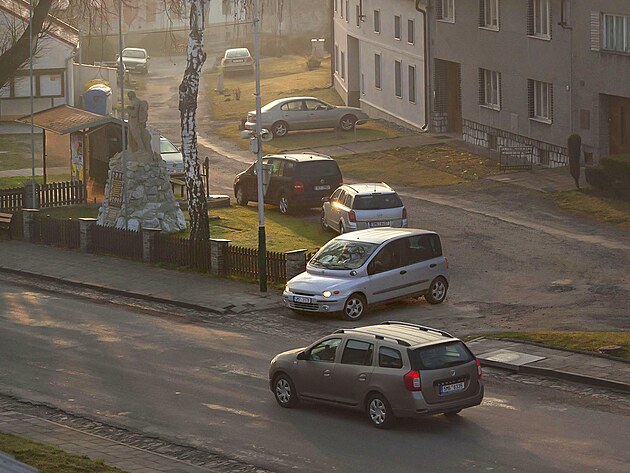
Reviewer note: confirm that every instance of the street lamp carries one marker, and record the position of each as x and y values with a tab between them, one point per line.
34	202
123	142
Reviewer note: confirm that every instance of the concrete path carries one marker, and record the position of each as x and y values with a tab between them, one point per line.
51	171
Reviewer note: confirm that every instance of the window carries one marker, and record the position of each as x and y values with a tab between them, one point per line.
358	15
388	259
46	83
343	65
377	21
294	106
412	83
398	78
411	31
357	353
325	351
337	58
336	4
540	18
446	10
397	27
540	100
421	248
490	89
489	14
565	13
389	358
377	71
617	33
443	355
362	84
341	9
347	11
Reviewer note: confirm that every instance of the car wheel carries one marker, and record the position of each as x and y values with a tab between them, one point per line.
437	291
280	129
283	204
284	391
380	412
342	227
347	122
354	307
323	222
240	196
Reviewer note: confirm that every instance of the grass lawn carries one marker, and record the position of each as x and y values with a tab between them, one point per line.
12	182
595	206
74	211
583	341
48	459
431	165
15	151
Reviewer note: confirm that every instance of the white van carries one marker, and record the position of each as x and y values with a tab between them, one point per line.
358	269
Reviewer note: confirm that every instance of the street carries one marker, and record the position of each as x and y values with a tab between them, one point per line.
205	384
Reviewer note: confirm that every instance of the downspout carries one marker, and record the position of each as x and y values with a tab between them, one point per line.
427	62
332	43
70	81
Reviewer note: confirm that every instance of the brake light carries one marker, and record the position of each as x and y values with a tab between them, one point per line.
352	216
446	260
412	381
298	187
479	373
404	213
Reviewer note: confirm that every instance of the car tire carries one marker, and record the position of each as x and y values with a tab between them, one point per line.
354	307
437	291
347	122
280	129
323	222
342	228
240	196
284	391
284	205
380	412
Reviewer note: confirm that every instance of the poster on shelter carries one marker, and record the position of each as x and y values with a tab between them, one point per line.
76	155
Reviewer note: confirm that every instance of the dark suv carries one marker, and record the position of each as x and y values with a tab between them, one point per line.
297	180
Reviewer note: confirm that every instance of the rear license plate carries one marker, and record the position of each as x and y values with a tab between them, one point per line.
380	224
237	60
451	388
303	300
322	188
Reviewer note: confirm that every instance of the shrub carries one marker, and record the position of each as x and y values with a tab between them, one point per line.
617	169
596	177
313	62
575	150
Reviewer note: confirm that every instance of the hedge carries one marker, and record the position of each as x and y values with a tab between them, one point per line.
612	176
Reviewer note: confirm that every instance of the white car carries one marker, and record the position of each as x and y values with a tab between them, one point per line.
358	269
172	155
135	60
237	60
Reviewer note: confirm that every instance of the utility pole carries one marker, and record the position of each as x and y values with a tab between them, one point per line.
30	67
123	140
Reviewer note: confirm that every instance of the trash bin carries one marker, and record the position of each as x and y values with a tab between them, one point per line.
317	47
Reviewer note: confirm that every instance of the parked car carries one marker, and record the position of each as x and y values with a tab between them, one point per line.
304	113
359	206
135	60
237	60
355	270
297	180
172	155
389	370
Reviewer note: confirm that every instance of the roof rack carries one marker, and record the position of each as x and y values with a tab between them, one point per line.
313	153
378	336
419	327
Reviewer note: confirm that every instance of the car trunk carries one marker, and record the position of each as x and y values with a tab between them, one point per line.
320	177
380	217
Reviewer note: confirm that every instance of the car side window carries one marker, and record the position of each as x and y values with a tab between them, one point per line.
341	196
289	169
313	105
357	353
325	351
387	259
335	195
422	248
347	201
389	358
294	106
276	167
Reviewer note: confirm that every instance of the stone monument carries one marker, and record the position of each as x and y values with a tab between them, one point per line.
139	195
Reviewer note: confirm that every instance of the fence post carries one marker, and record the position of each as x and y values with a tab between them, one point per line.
28	195
218	256
296	263
148	241
85	232
28	224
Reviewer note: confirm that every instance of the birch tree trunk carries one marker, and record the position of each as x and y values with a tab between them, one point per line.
188	93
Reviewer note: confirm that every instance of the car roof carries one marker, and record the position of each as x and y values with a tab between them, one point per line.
403	333
370	188
237	49
383	234
135	49
301	157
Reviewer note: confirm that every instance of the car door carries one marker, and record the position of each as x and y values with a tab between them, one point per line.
295	114
317	114
424	261
329	210
315	374
249	183
337	210
275	179
387	279
353	372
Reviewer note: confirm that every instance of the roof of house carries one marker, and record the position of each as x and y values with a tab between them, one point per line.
65	119
57	28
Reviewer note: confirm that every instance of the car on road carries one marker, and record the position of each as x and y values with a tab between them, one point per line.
389	370
172	155
237	60
304	113
135	60
298	180
359	206
356	270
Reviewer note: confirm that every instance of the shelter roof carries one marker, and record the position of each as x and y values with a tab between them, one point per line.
65	119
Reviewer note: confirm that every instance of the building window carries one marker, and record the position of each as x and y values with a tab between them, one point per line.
341	12
377	71
336	4
565	13
411	31
358	15
347	11
343	65
397	27
377	21
489	14
490	89
617	33
446	10
540	18
337	58
362	84
412	83
46	83
398	78
540	100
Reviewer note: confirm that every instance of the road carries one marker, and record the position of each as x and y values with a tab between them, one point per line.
205	384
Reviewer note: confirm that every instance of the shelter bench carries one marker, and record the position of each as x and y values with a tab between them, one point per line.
5	223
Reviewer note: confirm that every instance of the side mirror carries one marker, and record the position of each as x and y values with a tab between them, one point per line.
302	355
325	199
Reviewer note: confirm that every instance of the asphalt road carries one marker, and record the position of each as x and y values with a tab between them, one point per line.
205	384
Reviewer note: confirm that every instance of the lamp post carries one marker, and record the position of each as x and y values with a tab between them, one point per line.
30	67
123	141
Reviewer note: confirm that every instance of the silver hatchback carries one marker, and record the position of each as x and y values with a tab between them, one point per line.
389	370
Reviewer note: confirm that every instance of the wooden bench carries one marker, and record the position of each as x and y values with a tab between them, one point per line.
5	223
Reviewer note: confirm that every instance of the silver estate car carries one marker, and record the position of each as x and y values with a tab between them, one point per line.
360	206
355	270
304	113
172	156
389	370
135	60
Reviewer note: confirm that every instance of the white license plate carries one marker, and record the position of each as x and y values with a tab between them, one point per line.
322	188
303	300
450	388
380	224
237	60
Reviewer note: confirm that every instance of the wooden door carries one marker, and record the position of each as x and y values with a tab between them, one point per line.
619	125
453	101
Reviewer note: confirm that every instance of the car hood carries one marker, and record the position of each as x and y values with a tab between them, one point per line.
134	60
288	355
172	157
318	281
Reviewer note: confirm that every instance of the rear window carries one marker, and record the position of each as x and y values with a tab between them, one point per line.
319	168
232	53
444	355
377	201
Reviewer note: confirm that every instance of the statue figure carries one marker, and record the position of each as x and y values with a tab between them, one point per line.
139	139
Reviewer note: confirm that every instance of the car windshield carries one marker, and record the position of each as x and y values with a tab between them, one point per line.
435	357
167	147
376	201
134	54
343	254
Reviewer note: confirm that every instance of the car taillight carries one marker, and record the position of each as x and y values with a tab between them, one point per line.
412	381
446	261
404	213
352	216
298	187
479	372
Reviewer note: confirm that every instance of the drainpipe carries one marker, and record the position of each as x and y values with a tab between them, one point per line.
427	63
332	43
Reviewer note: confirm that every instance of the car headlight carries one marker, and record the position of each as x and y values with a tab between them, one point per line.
286	288
327	294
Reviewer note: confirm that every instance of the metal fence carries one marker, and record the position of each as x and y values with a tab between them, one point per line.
243	262
182	252
117	242
515	158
